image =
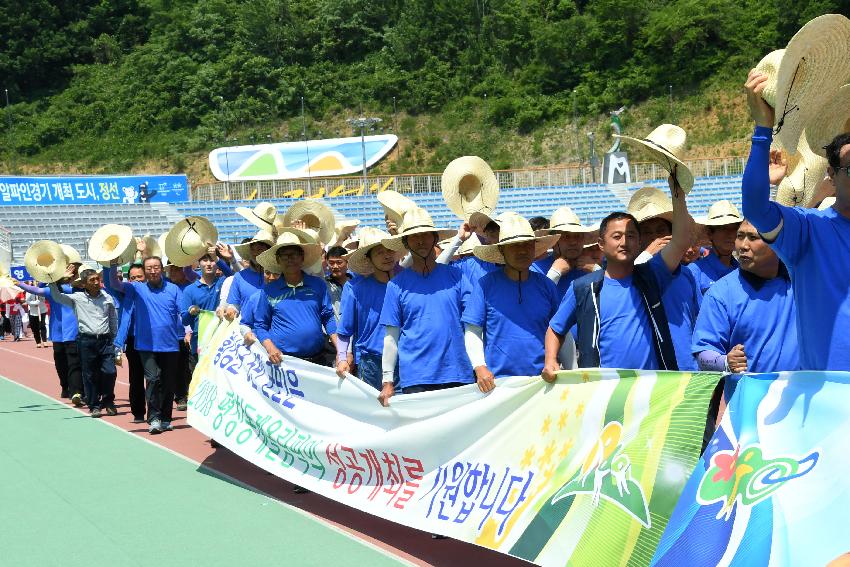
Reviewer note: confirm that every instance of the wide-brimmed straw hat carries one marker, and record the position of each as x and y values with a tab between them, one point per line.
155	246
813	68
416	221
769	67
565	220
71	254
515	229
112	243
832	120
45	261
666	146
262	215
188	240
806	170
721	213
78	281
649	203
343	230
268	259
470	186
358	261
244	250
395	205
466	247
314	214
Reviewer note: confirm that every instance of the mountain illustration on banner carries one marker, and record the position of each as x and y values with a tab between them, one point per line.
294	160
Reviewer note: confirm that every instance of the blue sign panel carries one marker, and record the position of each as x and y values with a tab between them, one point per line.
20	273
93	190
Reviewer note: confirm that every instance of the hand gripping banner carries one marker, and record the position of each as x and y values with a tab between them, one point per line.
585	471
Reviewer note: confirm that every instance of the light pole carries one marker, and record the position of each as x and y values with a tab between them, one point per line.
307	146
363	123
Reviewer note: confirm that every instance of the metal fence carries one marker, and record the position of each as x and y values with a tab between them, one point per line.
428	183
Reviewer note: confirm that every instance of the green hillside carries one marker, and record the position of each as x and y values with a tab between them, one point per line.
154	85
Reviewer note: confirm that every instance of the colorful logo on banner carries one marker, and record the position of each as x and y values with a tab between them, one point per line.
294	160
748	478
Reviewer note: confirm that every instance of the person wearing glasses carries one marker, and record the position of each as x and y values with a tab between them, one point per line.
813	244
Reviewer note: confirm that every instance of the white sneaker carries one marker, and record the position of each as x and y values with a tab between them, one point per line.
155	427
166	426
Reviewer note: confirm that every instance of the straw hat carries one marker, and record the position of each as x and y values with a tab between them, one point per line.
45	261
470	186
153	246
806	170
305	235
565	220
112	243
268	259
395	205
832	120
666	146
314	214
188	240
813	68
514	230
71	254
358	261
244	250
262	215
721	213
769	66
649	203
343	230
826	203
416	221
78	282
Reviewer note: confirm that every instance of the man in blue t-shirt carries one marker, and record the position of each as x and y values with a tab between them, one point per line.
619	315
508	312
722	222
562	266
421	315
360	311
246	282
157	331
747	322
813	244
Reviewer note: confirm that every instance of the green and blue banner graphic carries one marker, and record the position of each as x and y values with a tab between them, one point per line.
771	488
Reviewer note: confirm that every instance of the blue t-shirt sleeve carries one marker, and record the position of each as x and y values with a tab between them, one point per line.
225	268
794	236
234	294
327	311
713	329
474	310
391	311
662	274
262	317
565	317
347	312
755	185
185	301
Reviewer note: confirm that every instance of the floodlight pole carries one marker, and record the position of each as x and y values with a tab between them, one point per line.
362	123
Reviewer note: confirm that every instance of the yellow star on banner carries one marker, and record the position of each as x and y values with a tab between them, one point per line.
564	394
547	423
527	457
565	450
562	420
580	410
546	457
585	377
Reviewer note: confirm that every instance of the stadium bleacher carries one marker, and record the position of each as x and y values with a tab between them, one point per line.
74	224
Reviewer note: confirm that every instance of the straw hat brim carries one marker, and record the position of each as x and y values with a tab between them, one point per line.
268	259
317	209
492	253
832	120
45	261
808	169
722	220
395	243
359	262
769	66
482	217
112	243
244	250
183	251
814	67
453	176
665	159
152	245
395	205
569	228
303	235
253	218
71	254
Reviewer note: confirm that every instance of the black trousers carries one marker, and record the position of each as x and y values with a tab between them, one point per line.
161	369
430	387
39	329
66	357
188	361
97	360
137	379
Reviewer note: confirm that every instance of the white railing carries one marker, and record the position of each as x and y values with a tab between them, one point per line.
427	183
5	250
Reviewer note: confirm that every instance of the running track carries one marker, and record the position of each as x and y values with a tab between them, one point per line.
33	368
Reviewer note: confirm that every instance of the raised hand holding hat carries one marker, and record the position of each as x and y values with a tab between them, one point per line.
416	221
45	261
666	146
262	215
514	229
469	186
188	240
315	215
112	244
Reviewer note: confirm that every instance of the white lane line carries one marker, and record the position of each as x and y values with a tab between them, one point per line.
45	361
226	477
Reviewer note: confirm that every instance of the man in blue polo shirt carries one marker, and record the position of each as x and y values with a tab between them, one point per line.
294	312
360	311
246	282
622	324
747	322
158	331
813	244
562	266
722	222
421	315
200	295
509	310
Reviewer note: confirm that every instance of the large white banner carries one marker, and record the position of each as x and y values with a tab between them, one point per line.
546	472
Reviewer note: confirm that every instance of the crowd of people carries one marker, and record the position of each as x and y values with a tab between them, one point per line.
412	307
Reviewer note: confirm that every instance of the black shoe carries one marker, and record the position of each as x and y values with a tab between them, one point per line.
111	410
65	394
96	412
214	444
137	419
438	536
300	490
181	405
77	400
